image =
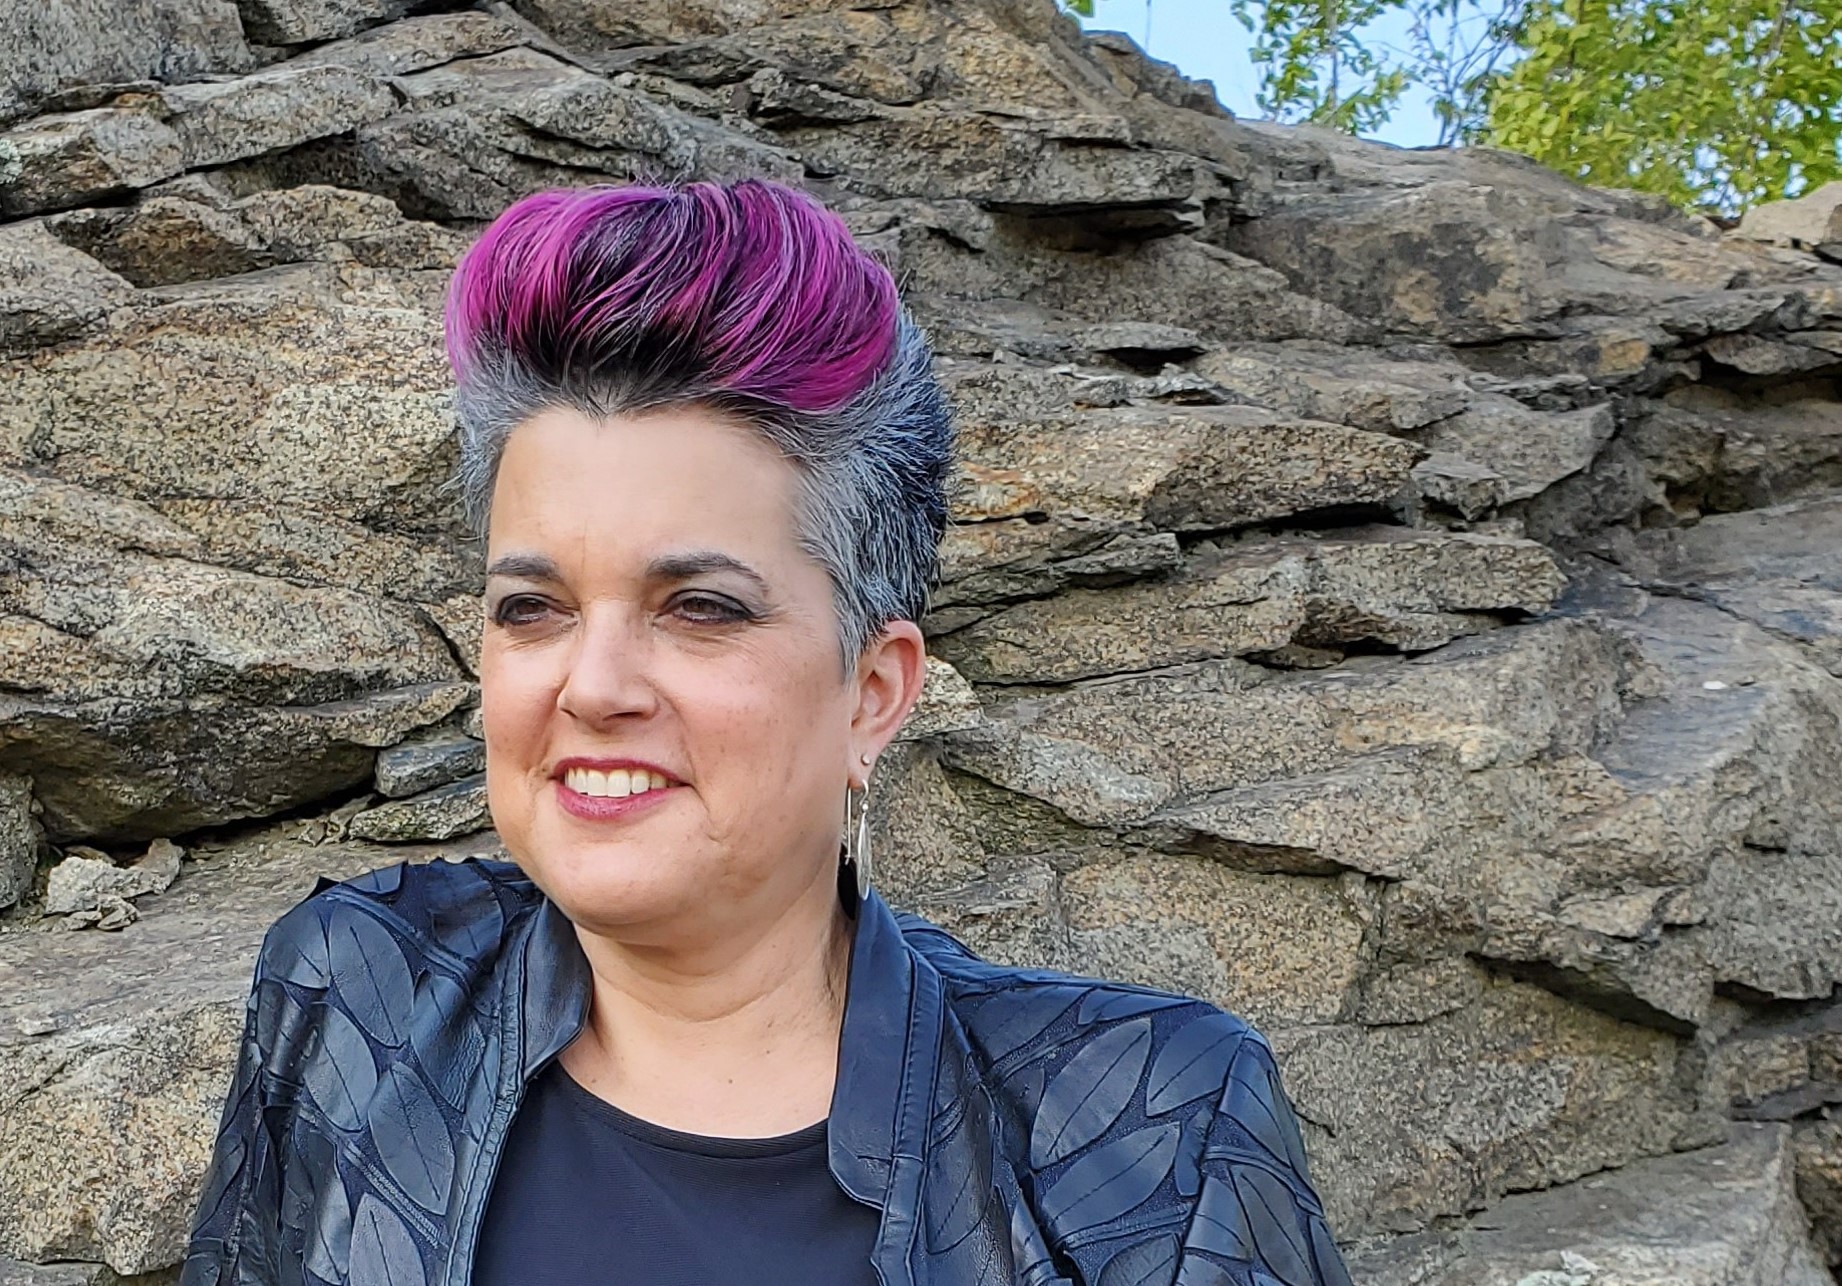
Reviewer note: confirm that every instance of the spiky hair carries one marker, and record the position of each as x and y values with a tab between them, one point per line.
748	297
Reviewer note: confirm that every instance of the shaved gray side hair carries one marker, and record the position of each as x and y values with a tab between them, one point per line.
873	474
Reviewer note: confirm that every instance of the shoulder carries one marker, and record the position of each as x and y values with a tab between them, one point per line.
363	971
1032	1027
1111	1093
385	918
371	1011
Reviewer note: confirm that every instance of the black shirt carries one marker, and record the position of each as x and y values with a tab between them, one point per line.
588	1195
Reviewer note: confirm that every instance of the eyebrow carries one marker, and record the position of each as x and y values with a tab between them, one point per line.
669	567
699	562
524	567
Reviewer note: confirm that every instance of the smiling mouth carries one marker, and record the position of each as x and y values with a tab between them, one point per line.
610	807
616	783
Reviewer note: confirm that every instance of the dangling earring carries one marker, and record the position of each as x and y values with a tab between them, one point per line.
857	836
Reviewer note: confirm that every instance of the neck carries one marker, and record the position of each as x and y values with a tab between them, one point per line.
732	1032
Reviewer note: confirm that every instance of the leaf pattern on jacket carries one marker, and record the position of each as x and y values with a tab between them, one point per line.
450	1047
338	1070
1152	1262
383	1251
372	977
316	1212
1090	1092
1193	1062
412	1137
959	1170
1204	1113
1076	1133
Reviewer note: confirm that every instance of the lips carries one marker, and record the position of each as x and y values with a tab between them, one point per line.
609	789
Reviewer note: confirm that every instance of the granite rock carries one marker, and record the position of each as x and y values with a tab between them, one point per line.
1812	221
1328	382
1530	450
22	839
427	760
48	291
84	880
113	1096
1719	1216
55	162
288	22
1198	468
457	808
1389	593
222	121
59	45
1410	592
1768	565
1818	1150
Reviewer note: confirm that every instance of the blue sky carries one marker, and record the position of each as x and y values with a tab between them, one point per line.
1206	40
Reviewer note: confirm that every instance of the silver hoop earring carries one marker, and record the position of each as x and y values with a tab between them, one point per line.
857	836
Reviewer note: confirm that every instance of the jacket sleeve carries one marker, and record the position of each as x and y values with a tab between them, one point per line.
1257	1211
241	1174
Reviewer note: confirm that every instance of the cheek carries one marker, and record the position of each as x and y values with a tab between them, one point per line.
517	695
517	710
777	725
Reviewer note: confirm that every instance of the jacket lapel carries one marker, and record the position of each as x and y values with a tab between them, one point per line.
557	988
888	1057
871	1054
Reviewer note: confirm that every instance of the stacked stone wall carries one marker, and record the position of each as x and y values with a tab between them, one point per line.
1394	595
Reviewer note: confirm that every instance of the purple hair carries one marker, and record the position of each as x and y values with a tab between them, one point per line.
749	297
756	284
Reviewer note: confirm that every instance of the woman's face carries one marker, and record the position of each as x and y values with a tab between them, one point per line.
651	616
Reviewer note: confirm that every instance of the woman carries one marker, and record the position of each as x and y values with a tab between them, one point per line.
679	1039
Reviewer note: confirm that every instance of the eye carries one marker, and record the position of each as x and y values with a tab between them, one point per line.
510	612
710	609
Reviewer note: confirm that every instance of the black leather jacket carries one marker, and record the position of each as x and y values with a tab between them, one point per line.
1013	1126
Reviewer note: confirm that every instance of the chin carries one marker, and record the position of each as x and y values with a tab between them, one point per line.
601	895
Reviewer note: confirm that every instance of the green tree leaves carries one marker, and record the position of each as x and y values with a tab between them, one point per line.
1316	65
1711	103
1720	103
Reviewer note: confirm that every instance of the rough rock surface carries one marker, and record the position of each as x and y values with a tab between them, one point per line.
1819	1178
1390	594
112	1050
54	47
428	760
21	839
1811	222
1721	1216
85	878
457	808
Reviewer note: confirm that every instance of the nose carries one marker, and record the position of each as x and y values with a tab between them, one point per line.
609	668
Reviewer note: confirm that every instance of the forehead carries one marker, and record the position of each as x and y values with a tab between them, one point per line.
576	485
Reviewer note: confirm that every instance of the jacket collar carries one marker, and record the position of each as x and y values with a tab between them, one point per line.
886	1057
557	987
876	1051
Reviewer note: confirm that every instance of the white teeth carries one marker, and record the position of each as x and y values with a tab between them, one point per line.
614	784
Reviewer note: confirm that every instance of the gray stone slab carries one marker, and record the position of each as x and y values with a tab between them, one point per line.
425	762
1721	1216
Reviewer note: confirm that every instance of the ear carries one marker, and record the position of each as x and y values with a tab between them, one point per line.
889	677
